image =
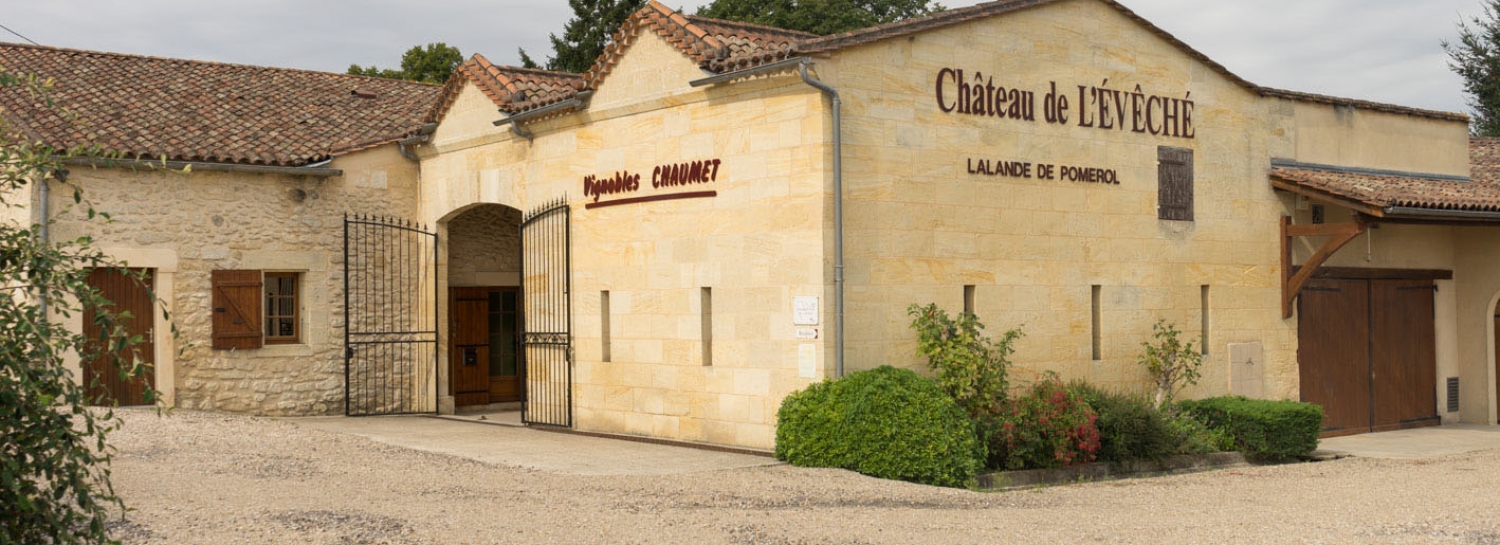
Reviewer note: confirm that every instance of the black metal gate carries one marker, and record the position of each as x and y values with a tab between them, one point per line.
546	316
390	317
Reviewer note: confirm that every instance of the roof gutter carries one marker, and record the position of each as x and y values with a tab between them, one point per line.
515	120
423	136
801	63
150	164
755	71
1433	213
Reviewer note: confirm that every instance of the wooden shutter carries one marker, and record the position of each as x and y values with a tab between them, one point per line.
236	309
1174	173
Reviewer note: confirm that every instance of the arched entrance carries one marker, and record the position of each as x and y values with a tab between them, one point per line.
485	367
1495	345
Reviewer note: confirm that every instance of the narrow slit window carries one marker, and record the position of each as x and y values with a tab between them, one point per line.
1097	338
968	299
1203	297
708	326
604	325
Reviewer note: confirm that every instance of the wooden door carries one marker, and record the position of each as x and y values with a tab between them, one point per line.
1403	355
1497	349
1333	352
469	345
101	376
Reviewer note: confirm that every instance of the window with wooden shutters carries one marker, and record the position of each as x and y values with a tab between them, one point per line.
1174	178
236	310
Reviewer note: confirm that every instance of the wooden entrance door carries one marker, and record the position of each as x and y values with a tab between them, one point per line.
1497	348
1333	351
101	377
1403	353
1367	353
484	351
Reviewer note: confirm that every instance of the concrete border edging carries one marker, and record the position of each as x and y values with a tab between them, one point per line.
1106	471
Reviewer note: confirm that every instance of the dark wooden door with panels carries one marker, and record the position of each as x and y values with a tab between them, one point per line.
1367	353
484	345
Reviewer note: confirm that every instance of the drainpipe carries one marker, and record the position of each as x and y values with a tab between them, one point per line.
423	136
838	181
838	215
44	232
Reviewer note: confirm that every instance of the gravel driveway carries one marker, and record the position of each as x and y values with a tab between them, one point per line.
196	478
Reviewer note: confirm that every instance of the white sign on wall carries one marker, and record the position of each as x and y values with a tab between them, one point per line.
805	310
807	360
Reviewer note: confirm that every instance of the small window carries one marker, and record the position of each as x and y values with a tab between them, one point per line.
1174	178
281	308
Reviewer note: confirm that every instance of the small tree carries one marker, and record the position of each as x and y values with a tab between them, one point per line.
432	63
1172	364
54	460
970	366
1476	57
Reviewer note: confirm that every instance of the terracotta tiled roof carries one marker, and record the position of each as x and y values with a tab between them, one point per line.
1484	160
1378	193
724	46
207	111
512	89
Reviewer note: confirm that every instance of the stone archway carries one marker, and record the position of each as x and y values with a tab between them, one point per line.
482	273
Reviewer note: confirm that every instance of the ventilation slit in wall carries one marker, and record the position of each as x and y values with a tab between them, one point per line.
1098	348
1452	394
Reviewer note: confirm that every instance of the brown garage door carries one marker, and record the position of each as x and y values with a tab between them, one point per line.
1367	353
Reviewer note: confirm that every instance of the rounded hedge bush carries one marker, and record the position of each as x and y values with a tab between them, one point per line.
888	423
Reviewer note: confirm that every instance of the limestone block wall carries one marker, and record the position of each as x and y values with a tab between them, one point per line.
1477	278
757	244
484	247
187	225
923	223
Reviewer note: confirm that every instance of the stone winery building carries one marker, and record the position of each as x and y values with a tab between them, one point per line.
719	214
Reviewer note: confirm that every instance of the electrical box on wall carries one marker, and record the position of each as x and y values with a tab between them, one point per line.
1246	369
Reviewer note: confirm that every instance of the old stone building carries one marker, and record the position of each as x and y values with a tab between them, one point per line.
719	214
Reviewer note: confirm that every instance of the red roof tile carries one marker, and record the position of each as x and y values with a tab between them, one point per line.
188	110
1381	192
512	89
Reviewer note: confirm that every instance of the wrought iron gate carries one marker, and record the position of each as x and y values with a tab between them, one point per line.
390	317
546	316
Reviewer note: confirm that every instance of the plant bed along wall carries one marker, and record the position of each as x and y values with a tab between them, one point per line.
1105	471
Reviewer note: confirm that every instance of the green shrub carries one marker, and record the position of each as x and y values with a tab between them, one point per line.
1130	428
889	423
1193	437
1261	429
1172	364
970	367
1048	427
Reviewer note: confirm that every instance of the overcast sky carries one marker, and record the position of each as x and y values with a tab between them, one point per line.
1382	50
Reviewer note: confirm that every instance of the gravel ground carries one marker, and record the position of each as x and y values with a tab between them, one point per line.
196	478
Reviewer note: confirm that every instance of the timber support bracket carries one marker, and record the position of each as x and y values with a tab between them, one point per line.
1338	235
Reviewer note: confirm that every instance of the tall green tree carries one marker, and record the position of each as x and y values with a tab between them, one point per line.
1476	57
592	27
821	17
54	458
432	63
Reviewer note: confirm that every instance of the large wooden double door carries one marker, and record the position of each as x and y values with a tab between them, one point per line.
485	345
102	376
1367	353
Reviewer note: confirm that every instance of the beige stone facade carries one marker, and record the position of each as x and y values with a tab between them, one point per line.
185	225
1013	160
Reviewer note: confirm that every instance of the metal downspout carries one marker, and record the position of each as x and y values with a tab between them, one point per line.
44	231
838	216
